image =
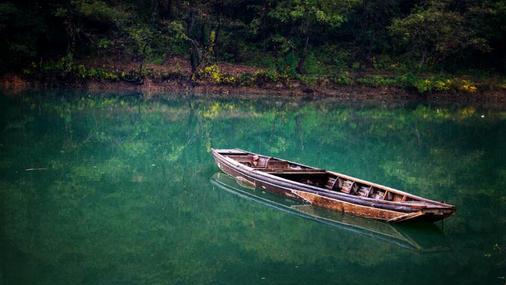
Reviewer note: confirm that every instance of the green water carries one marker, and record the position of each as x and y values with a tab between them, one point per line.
107	189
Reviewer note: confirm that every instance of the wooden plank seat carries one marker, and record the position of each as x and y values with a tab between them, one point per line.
331	183
349	187
364	190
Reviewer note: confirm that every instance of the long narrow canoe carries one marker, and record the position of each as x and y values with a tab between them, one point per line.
328	189
369	228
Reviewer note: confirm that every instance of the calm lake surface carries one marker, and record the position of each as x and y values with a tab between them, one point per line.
107	189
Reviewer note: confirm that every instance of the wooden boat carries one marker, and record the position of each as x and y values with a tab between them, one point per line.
398	234
328	189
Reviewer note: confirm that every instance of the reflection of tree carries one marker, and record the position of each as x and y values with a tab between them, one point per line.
126	192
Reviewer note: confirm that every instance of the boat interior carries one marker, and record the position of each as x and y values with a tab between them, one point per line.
317	177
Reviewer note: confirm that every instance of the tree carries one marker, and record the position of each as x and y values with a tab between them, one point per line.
434	32
304	18
83	20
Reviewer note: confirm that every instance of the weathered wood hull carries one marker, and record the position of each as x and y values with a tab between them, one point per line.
383	232
368	208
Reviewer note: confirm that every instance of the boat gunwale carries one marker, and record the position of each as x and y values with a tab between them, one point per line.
332	195
355	179
375	202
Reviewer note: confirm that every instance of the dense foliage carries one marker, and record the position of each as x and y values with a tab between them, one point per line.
294	37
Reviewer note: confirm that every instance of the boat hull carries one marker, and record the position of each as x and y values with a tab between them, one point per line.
349	205
369	228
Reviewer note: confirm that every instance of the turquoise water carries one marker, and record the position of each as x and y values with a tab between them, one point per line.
121	189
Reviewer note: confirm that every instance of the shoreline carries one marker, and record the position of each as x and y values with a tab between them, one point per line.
15	84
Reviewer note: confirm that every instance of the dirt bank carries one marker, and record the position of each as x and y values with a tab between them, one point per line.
14	84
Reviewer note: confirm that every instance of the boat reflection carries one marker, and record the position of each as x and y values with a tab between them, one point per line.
422	237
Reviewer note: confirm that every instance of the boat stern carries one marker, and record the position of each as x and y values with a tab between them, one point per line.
437	214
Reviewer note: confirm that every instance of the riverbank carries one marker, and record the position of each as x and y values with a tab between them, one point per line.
225	79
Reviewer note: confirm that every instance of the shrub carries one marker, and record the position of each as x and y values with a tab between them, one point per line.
313	66
467	86
213	74
66	67
343	78
268	76
436	84
310	80
246	79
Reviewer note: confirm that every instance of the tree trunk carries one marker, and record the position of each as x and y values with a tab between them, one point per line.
217	35
302	59
194	50
174	8
155	12
195	56
140	72
423	59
